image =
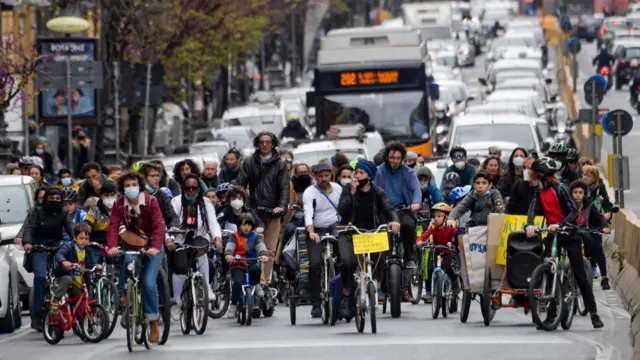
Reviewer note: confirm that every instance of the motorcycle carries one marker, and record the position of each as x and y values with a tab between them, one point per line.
634	100
442	138
606	72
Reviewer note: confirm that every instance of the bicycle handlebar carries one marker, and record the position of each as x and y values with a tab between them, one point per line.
45	248
564	230
449	246
182	247
348	228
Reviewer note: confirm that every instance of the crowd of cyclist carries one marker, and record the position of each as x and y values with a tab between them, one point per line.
264	198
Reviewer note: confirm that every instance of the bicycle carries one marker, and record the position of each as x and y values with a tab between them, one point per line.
50	276
220	281
442	296
87	312
105	291
268	301
247	300
365	243
194	294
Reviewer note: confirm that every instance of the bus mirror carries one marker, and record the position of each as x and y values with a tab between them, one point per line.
310	99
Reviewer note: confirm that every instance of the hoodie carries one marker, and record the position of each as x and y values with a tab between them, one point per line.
480	205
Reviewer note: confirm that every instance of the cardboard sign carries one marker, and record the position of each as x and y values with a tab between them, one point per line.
370	243
513	223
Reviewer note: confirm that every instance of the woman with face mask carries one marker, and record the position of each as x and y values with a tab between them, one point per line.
195	212
344	175
515	171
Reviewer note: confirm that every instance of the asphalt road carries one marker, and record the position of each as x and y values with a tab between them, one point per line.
615	100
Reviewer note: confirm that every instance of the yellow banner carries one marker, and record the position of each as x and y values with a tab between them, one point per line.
513	223
370	243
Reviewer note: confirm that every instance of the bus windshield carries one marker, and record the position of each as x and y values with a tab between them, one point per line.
395	114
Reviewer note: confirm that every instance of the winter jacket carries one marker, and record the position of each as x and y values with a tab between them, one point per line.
589	217
86	190
382	210
227	175
210	229
480	205
466	175
212	182
294	131
568	176
43	227
151	221
430	196
77	217
247	246
506	183
67	252
520	198
268	182
568	206
410	187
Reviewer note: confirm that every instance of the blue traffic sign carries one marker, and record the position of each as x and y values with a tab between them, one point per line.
602	79
610	123
574	45
594	89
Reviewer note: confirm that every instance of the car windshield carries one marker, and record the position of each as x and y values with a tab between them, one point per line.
633	53
206	149
14	204
435	32
391	114
516	133
314	157
271	123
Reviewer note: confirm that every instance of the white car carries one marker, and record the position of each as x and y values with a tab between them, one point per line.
16	198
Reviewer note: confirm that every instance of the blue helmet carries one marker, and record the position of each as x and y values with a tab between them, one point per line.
223	188
459	192
167	191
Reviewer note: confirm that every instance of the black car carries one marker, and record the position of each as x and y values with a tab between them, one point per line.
588	27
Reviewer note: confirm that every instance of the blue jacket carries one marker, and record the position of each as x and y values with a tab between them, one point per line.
67	252
411	188
435	196
78	217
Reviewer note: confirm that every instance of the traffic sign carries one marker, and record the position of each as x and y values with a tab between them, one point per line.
573	45
595	85
610	123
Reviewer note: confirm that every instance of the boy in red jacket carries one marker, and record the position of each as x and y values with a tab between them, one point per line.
440	234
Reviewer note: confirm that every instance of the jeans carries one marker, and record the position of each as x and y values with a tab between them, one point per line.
407	233
573	245
150	269
594	250
39	259
315	264
237	278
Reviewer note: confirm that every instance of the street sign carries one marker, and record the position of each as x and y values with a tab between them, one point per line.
610	123
84	74
594	89
573	45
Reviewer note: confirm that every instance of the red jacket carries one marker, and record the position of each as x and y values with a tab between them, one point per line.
151	220
441	236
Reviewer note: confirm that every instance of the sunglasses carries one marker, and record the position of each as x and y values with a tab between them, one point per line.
458	156
192	188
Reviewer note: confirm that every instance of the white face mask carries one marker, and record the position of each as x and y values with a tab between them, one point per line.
236	204
108	202
525	175
518	161
460	165
345	181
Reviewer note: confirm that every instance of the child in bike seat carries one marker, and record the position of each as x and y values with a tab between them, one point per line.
246	243
442	235
481	202
68	277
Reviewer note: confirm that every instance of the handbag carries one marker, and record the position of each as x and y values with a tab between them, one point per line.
132	240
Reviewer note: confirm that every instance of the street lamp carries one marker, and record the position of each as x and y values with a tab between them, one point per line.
68	25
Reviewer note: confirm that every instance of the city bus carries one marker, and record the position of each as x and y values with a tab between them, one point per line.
375	76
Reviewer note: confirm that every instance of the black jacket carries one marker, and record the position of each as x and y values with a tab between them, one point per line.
592	216
382	209
168	214
212	183
268	182
45	228
295	131
568	176
603	59
520	197
228	175
226	215
67	252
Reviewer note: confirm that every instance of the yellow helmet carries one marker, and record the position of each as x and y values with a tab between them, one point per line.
441	207
137	166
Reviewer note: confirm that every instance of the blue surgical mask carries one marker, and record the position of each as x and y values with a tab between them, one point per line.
150	189
190	199
65	182
39	151
131	192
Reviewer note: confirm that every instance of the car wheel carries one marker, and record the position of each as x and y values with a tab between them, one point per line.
8	324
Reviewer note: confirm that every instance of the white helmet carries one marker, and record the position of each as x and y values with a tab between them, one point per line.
440	106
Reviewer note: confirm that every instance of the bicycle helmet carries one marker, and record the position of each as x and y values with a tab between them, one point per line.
452	180
558	149
459	193
137	166
546	166
456	149
167	191
441	207
26	160
69	194
572	155
223	188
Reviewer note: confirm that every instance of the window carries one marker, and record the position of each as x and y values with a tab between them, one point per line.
14	204
520	134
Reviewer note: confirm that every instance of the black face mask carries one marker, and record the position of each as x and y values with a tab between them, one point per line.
54	206
81	137
412	165
362	183
301	182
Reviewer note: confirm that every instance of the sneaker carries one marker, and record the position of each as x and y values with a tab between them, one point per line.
316	312
605	284
410	264
211	295
345	309
176	311
407	297
594	272
595	321
426	298
259	292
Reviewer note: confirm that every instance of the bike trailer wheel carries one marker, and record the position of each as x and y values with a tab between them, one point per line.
466	306
487	298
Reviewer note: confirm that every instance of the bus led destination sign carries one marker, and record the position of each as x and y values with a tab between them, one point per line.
363	78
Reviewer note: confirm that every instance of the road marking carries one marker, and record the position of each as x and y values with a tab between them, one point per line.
616	310
373	341
24	330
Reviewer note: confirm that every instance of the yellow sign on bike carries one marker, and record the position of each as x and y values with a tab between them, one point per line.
514	223
370	243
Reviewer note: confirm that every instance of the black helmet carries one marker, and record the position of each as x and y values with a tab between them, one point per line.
558	149
546	166
452	179
69	194
573	155
456	149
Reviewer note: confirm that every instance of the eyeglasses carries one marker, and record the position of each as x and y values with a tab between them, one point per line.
192	188
267	142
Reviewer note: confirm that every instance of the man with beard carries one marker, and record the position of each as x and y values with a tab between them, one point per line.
320	218
231	167
210	174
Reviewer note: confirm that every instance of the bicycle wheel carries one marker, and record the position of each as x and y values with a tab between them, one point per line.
131	316
164	306
360	311
436	301
418	279
292	305
221	286
200	303
371	293
446	295
466	305
570	306
109	299
186	308
487	299
395	290
95	323
327	300
541	300
51	328
248	308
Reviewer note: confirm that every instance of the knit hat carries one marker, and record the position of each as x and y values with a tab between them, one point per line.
424	171
367	166
411	155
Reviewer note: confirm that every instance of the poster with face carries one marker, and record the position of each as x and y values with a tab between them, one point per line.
55	103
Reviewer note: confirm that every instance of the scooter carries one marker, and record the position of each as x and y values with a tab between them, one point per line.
606	72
